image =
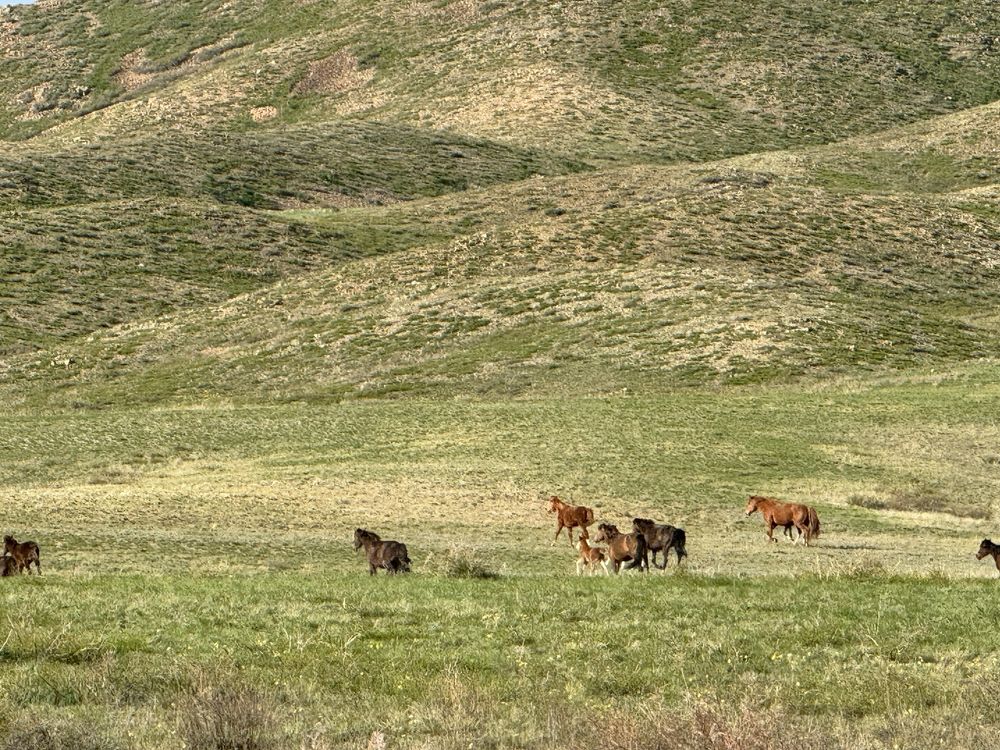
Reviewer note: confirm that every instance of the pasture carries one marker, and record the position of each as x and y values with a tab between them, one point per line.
188	551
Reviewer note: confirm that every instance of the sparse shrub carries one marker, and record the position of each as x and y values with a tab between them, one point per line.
464	562
231	717
702	725
60	734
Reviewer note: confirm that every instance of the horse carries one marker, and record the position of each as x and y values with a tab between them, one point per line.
8	566
987	547
590	557
622	547
24	553
382	554
570	516
661	538
777	513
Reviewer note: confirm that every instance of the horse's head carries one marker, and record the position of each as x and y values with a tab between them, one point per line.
9	543
554	504
985	548
641	524
584	535
752	504
606	532
363	535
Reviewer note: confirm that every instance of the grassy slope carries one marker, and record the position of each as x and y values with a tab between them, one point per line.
759	268
638	80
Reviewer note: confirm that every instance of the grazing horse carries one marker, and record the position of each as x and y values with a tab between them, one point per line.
622	547
661	538
8	567
777	513
987	547
382	554
570	516
590	557
24	553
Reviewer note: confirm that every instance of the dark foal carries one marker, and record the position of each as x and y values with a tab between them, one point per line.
24	553
987	547
388	555
661	538
8	566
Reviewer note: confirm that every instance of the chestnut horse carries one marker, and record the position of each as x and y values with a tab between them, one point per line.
24	553
382	554
570	516
777	513
987	547
622	547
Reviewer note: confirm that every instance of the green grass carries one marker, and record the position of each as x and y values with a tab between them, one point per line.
518	662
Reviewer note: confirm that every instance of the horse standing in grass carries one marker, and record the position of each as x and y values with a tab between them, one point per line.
777	513
24	553
570	516
590	557
987	547
382	554
623	547
661	538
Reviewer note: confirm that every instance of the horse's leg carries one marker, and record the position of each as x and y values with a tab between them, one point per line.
569	530
557	531
770	531
579	566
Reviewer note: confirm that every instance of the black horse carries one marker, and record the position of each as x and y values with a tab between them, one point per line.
661	538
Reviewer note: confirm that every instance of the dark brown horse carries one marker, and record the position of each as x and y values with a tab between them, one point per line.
987	547
570	516
777	513
24	553
8	567
661	538
382	554
623	547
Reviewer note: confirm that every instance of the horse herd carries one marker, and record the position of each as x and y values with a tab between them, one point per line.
635	547
645	540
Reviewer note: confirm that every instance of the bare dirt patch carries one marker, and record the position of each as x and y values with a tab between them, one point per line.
334	74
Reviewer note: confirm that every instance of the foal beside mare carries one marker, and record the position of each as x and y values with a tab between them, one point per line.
382	554
23	553
590	557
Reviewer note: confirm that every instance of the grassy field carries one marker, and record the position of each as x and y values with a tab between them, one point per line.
198	564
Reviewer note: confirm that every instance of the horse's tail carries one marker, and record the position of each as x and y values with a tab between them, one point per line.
680	539
405	559
640	559
813	523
